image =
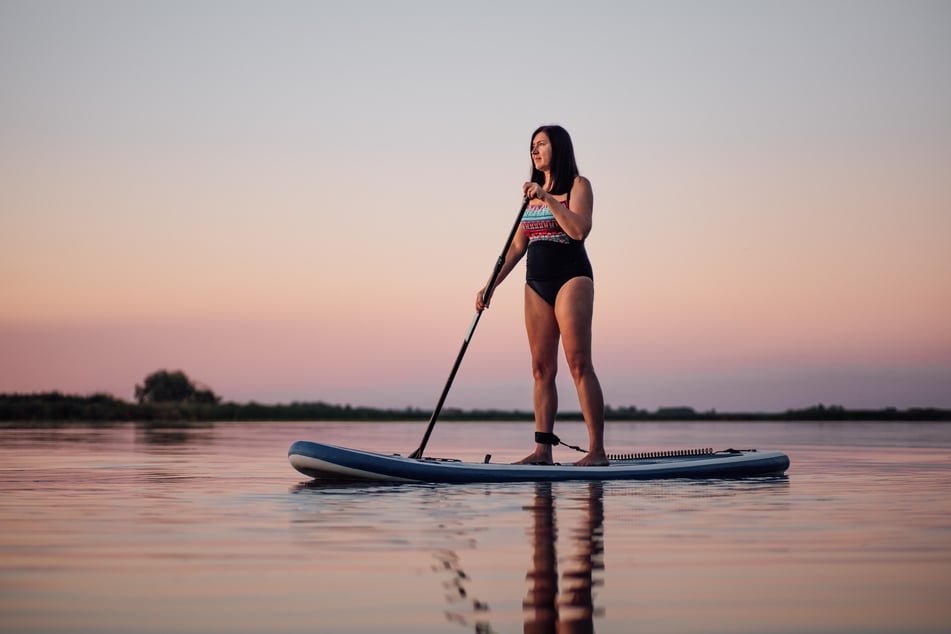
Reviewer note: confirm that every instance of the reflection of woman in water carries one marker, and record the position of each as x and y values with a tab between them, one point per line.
547	610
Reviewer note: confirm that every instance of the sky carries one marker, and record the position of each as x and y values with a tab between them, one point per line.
298	201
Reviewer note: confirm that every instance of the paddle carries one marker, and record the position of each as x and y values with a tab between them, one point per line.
465	342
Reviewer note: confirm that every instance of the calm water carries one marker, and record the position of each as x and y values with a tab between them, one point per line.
138	529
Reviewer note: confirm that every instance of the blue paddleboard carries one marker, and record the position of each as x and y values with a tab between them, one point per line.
318	460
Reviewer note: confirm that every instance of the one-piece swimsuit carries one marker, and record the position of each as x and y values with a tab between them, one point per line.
553	256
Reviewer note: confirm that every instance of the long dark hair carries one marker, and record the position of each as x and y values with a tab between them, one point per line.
564	169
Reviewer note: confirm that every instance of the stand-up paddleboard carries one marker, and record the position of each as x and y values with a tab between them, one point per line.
319	460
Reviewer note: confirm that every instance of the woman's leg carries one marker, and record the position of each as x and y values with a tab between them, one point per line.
574	309
542	328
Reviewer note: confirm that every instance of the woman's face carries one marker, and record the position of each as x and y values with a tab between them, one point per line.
541	152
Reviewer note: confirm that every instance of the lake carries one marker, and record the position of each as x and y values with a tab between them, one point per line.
140	528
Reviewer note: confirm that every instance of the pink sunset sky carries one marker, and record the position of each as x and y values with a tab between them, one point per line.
299	201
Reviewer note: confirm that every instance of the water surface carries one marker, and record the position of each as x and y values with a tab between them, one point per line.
134	528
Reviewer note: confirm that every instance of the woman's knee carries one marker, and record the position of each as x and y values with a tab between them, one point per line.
580	366
544	371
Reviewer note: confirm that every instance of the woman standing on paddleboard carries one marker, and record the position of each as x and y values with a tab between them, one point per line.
559	289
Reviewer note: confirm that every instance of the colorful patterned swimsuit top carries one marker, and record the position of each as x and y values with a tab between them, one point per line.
539	224
553	256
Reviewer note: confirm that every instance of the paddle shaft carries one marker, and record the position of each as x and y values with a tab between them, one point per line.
487	294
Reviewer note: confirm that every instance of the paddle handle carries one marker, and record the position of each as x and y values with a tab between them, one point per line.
486	295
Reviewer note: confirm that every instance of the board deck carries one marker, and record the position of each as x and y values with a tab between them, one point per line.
319	460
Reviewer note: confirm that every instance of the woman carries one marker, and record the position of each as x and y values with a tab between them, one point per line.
559	289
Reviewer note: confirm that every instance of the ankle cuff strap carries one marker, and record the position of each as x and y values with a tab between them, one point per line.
546	438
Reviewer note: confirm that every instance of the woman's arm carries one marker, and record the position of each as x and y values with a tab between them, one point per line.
515	252
576	222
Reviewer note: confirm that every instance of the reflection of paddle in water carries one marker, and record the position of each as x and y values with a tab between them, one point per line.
572	609
456	585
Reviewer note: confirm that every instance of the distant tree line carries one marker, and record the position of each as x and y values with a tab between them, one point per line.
815	413
173	397
55	407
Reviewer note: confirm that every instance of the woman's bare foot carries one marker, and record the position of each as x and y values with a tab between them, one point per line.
594	459
541	455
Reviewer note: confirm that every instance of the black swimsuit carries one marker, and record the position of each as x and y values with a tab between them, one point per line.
553	257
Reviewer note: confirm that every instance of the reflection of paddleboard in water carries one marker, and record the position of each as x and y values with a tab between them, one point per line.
319	460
